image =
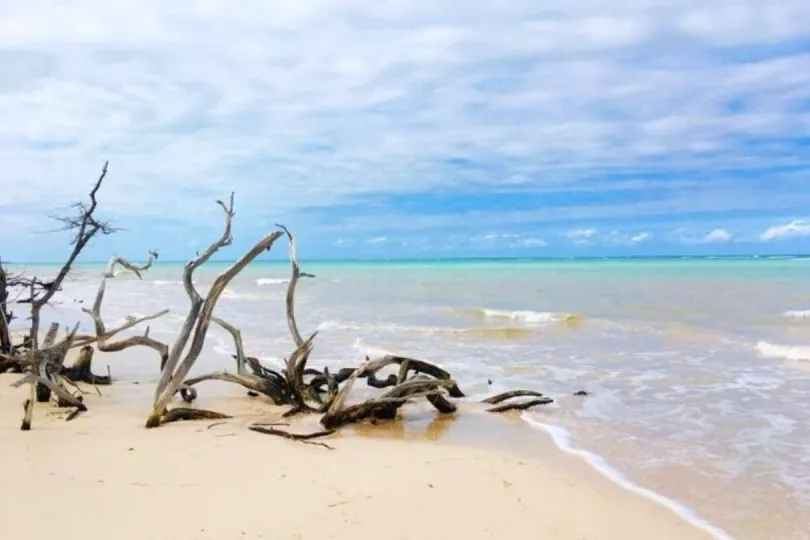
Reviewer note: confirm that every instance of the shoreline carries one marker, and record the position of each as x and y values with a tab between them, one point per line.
376	476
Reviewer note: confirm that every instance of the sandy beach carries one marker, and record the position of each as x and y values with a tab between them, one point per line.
103	475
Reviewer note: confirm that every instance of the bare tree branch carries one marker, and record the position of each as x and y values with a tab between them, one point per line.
237	340
195	299
199	316
102	336
86	226
136	269
296	273
5	316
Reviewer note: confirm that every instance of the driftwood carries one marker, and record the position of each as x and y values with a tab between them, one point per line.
184	413
301	437
43	366
297	386
81	371
199	316
494	400
5	316
522	406
257	384
103	336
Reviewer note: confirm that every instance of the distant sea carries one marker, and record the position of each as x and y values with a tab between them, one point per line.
698	367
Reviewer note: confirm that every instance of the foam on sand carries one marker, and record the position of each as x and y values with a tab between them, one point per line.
562	439
797	314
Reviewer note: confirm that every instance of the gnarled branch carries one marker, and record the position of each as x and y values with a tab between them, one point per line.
102	336
237	341
195	300
175	377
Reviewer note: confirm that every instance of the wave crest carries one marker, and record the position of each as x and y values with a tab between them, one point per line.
526	316
271	281
797	314
787	352
484	332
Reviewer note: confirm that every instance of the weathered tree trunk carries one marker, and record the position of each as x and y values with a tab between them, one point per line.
43	393
199	316
81	370
5	318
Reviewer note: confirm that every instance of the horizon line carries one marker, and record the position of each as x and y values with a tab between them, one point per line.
753	256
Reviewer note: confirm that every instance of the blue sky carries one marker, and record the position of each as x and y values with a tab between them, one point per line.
418	128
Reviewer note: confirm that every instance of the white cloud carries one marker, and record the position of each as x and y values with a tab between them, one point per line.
377	240
718	236
189	100
495	237
507	240
581	236
797	227
640	237
530	243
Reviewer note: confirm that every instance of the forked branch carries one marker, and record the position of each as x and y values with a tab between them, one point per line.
103	337
199	319
195	300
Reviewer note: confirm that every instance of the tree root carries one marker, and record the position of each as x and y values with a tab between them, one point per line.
417	366
186	413
375	409
521	406
80	371
494	400
441	403
10	364
265	386
301	437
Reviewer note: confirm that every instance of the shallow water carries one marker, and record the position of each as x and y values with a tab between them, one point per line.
698	369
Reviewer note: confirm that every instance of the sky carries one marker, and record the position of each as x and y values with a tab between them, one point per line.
409	128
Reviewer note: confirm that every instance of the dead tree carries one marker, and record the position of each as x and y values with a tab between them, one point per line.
199	316
44	364
301	388
84	227
415	379
103	336
5	316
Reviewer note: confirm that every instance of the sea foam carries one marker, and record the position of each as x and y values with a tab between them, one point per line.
271	281
543	317
562	438
788	352
797	314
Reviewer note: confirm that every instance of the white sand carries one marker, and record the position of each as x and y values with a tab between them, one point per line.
104	476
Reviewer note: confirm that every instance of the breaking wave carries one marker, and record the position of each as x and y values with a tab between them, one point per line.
485	332
526	316
797	314
787	352
271	281
166	282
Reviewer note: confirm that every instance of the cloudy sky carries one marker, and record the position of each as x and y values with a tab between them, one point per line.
384	128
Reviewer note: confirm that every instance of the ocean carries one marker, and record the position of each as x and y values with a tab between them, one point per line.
698	369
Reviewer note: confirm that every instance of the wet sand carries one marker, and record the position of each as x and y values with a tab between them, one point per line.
103	475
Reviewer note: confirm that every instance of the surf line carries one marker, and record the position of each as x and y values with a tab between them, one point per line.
562	439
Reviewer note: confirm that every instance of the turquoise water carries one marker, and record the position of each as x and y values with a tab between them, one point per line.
698	368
